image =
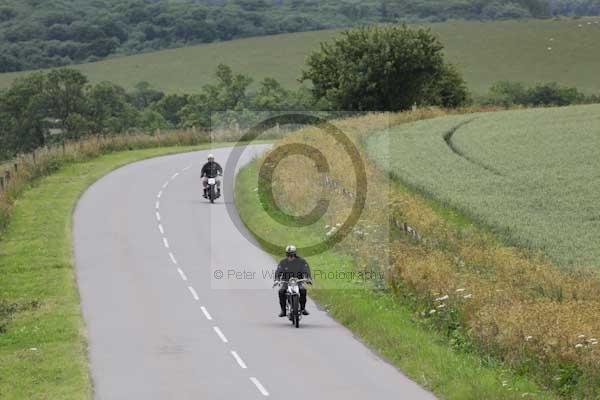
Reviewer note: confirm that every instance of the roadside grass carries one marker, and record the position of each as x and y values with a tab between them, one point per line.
485	52
458	276
43	351
386	322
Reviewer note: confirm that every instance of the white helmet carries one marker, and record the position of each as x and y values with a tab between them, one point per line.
211	157
290	250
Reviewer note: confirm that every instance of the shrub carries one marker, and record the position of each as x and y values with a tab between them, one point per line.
383	68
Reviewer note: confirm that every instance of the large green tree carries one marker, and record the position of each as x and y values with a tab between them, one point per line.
383	68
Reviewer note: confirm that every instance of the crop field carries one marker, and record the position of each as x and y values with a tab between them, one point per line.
531	51
532	175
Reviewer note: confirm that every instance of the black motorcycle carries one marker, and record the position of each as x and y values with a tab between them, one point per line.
211	190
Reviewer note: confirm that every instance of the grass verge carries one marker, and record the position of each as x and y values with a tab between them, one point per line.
42	335
388	325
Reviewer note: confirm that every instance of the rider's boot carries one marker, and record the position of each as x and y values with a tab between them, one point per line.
204	195
304	312
282	313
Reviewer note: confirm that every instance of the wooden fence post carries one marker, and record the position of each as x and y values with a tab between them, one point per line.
1	183
33	156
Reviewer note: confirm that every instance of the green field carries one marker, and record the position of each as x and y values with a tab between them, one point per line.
485	51
530	174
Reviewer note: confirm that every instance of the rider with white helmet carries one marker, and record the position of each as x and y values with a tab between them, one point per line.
292	266
211	169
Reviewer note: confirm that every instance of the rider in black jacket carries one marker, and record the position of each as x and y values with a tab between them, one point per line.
211	169
292	267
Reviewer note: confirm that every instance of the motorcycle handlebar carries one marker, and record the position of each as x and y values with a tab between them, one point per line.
309	281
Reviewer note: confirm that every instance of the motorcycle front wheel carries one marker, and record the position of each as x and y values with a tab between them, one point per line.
212	194
295	312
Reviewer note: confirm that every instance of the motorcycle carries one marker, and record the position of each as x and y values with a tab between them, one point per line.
293	299
211	190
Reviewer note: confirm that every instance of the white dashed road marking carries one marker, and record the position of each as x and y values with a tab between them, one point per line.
206	314
239	360
193	292
220	334
182	274
259	386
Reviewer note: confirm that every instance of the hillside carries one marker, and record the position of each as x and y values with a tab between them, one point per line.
530	174
51	33
511	50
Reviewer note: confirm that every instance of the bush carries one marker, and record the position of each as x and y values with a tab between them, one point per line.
386	68
507	94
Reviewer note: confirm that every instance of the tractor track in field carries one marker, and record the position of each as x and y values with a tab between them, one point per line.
448	139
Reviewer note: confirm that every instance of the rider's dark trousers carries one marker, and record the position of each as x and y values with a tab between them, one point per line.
282	297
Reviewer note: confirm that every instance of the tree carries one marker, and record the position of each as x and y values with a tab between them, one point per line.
170	106
109	111
551	94
387	68
23	111
228	93
144	95
64	93
152	120
507	93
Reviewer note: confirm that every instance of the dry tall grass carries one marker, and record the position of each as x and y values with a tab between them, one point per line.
488	297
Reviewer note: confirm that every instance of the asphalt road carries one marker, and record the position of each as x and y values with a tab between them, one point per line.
161	326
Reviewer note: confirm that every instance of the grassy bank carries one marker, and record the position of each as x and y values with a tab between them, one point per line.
457	276
42	336
389	326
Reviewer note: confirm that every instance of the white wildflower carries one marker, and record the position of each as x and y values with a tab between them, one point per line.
580	336
327	227
460	290
549	48
441	306
431	312
528	338
504	383
338	225
467	296
33	349
578	345
446	297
